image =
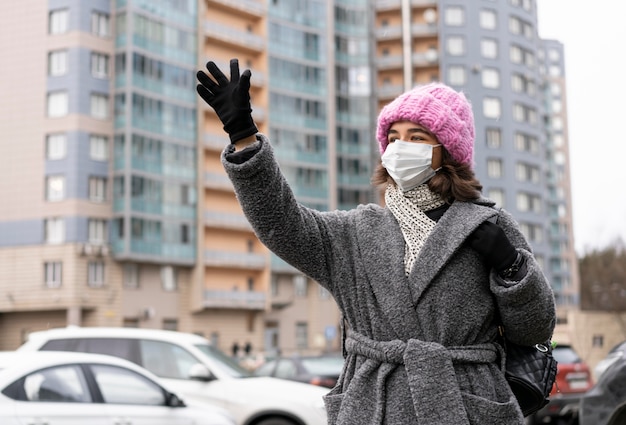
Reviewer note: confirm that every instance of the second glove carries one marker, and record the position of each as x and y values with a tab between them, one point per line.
490	241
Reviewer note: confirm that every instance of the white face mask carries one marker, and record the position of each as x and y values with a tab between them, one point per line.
409	164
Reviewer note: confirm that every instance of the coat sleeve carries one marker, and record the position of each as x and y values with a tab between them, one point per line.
527	309
297	234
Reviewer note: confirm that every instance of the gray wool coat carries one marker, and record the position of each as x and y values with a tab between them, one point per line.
420	348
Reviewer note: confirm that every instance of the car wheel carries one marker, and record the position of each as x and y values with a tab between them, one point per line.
276	421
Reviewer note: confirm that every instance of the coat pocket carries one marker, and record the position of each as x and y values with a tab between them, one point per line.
333	405
482	411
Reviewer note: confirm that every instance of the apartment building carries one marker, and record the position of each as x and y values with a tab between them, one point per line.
120	212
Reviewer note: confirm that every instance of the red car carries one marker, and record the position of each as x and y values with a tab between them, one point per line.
573	379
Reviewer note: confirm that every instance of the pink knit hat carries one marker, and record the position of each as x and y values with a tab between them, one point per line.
441	110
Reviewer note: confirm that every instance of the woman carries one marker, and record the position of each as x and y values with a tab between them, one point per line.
423	283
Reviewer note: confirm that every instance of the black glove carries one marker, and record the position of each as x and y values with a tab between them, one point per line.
229	99
490	241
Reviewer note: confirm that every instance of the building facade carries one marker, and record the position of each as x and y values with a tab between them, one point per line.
120	212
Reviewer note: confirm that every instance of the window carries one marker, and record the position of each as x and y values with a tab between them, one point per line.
302	337
56	146
489	48
58	20
527	173
55	384
494	138
184	233
497	196
58	104
597	341
532	232
300	286
494	168
100	24
52	274
454	16
55	188
124	387
99	65
526	143
97	189
95	271
456	75
528	202
97	231
54	230
98	147
57	63
491	78
99	106
524	113
491	107
488	19
455	46
168	279
170	324
131	276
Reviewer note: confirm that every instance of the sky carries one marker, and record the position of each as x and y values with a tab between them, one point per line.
594	37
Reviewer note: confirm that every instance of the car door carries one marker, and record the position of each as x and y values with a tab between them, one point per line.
57	396
132	399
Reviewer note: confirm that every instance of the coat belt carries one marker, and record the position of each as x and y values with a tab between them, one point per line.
430	372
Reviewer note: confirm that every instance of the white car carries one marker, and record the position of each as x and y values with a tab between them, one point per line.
57	388
193	368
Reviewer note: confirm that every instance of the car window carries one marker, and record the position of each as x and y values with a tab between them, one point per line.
118	347
286	369
323	365
123	386
166	360
565	355
265	369
56	384
224	362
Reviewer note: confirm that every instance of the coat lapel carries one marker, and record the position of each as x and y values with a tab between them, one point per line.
382	245
453	228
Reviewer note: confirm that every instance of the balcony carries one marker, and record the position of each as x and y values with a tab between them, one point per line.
234	299
255	8
226	220
228	34
238	260
218	181
382	5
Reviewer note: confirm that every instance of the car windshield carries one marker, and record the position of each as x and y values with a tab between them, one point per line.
227	364
565	355
329	365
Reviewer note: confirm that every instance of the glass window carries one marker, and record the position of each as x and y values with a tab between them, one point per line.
166	360
97	189
554	71
100	24
492	107
56	146
455	45
99	104
95	274
488	19
489	48
123	386
494	138
57	384
131	276
300	285
52	271
54	230
457	75
497	196
97	231
58	21
302	335
58	104
99	65
168	279
55	188
491	78
494	168
554	55
454	16
57	63
98	147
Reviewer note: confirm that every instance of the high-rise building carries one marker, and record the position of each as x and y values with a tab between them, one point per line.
117	210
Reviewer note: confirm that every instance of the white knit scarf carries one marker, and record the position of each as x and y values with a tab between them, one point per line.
408	208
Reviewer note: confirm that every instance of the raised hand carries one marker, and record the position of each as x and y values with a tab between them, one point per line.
229	98
490	241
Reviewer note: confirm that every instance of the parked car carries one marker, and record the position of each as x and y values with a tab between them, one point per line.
605	403
78	388
321	370
573	379
198	371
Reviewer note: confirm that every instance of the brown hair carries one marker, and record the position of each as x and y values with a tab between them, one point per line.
454	181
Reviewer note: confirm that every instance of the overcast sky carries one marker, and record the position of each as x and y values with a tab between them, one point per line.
594	38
